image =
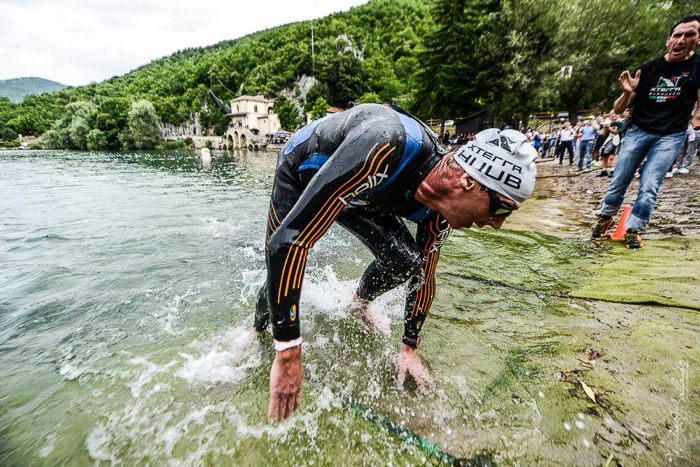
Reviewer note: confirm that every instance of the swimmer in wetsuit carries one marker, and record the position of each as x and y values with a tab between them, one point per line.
368	168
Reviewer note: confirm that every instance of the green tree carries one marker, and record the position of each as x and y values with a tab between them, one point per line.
455	72
381	77
369	97
24	123
97	139
70	132
77	132
6	134
143	129
318	90
111	120
289	116
596	39
320	109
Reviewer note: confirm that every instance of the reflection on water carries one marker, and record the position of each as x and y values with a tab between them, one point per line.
128	288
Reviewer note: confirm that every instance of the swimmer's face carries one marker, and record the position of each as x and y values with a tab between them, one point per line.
473	207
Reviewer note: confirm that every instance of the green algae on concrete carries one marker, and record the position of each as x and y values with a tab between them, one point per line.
663	272
508	334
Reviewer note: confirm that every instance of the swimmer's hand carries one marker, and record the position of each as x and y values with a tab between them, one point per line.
409	364
359	308
286	382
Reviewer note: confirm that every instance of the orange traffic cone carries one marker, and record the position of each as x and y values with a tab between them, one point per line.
621	228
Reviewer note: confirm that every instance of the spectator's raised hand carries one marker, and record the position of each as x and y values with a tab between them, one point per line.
628	83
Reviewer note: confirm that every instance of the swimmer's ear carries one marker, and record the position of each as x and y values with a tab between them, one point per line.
467	183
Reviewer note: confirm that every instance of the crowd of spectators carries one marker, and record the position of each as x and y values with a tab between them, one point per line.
594	141
456	139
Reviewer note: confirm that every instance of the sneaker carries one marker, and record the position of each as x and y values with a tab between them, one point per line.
632	239
600	229
669	174
683	170
674	170
603	173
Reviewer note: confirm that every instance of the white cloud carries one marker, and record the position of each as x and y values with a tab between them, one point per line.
79	41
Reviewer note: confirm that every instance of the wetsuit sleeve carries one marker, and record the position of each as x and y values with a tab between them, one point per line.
360	163
430	236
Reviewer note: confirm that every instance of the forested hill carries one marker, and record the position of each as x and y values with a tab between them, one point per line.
371	48
16	88
438	58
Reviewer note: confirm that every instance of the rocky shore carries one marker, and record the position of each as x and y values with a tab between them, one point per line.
676	211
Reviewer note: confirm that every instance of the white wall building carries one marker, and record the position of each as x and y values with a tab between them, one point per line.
254	113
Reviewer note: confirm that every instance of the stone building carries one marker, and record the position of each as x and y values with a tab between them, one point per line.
252	120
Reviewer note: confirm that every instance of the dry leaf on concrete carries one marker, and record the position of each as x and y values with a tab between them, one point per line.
589	392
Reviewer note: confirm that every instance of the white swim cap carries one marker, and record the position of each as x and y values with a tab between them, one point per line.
501	160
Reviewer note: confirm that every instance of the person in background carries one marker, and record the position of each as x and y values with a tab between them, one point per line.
536	141
565	138
685	158
664	92
603	125
587	133
608	151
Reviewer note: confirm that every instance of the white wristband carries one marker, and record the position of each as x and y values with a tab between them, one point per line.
284	345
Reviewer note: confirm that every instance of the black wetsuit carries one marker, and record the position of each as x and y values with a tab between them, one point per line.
360	168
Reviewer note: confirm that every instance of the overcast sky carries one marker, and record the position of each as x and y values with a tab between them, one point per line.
79	41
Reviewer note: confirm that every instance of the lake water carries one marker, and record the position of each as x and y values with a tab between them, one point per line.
127	289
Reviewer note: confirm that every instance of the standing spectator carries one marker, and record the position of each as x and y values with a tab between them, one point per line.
601	135
552	144
664	92
607	151
685	158
537	142
446	138
565	138
585	147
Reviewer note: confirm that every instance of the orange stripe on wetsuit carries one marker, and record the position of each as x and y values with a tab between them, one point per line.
424	299
295	261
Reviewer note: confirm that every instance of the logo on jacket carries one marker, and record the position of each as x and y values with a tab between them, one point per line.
371	182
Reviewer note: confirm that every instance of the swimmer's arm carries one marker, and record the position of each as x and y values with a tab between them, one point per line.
421	290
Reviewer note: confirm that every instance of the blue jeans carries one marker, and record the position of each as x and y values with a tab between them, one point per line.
660	151
585	148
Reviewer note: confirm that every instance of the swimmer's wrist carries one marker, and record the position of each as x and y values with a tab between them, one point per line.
412	342
284	345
